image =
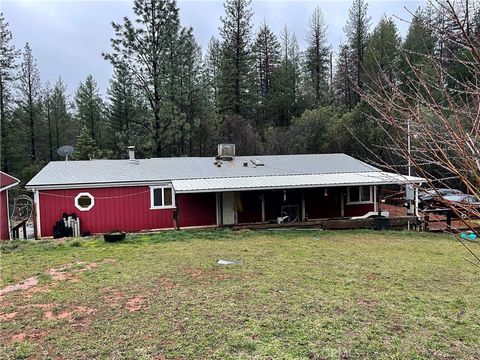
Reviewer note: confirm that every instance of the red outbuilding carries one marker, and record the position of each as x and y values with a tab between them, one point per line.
6	182
148	194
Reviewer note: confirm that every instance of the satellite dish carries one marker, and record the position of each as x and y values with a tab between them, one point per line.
65	151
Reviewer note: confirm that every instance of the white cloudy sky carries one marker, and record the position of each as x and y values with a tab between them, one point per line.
68	37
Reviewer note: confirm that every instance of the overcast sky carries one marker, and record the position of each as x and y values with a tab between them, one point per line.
67	37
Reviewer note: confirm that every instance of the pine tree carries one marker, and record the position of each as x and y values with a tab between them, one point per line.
317	56
47	94
356	30
29	92
125	114
212	69
417	49
8	56
383	53
343	77
266	52
149	49
85	147
190	104
61	125
90	108
285	100
236	66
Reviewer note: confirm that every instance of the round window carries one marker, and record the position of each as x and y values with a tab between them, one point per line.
84	201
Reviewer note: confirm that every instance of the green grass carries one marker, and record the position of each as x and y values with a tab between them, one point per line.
296	294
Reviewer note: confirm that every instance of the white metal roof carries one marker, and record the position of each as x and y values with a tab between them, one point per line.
106	172
195	174
291	181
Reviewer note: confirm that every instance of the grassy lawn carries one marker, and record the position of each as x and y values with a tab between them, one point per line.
295	294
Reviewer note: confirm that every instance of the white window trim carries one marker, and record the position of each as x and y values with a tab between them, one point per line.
84	194
163	187
360	202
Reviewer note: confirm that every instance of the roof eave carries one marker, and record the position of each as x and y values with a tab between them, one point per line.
10	186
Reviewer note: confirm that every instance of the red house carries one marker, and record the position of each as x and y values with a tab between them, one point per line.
148	194
6	182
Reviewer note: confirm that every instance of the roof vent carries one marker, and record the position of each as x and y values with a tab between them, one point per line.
226	151
257	162
131	154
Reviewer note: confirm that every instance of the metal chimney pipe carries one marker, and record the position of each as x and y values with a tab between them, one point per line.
131	153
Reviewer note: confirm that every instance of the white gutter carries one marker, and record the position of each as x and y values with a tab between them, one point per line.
291	182
96	185
9	186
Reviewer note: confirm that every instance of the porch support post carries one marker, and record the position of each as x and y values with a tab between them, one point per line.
379	209
303	205
342	202
177	213
263	207
36	215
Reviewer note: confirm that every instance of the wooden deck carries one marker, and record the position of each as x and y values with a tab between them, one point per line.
394	223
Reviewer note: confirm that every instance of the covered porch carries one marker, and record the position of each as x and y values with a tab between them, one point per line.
302	200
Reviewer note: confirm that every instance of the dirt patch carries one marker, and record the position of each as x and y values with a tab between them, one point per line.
65	315
43	306
168	284
66	272
84	310
19	337
135	304
24	285
78	312
221	276
372	276
196	273
30	334
113	298
367	303
8	316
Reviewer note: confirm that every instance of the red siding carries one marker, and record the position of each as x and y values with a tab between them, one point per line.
6	180
358	209
4	230
122	208
197	209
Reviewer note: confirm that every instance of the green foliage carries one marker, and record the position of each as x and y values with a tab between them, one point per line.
8	57
343	78
418	47
382	54
356	30
126	112
29	88
86	148
285	100
239	131
317	56
266	51
311	132
152	49
236	68
90	109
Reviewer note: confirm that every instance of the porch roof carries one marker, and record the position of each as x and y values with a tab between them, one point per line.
291	181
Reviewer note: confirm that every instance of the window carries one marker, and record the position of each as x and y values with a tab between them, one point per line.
359	194
84	201
161	197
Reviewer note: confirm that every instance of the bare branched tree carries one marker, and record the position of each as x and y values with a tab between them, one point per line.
431	113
